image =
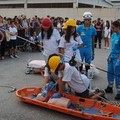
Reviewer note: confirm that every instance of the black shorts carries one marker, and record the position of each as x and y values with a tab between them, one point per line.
13	44
84	94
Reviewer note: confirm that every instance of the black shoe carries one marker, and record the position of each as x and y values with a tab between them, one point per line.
117	97
109	90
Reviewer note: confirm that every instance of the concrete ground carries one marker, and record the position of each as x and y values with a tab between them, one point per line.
12	72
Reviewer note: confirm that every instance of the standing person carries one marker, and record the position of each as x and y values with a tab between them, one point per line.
107	33
25	27
59	26
87	33
50	38
1	38
21	31
113	61
3	42
99	28
70	42
70	75
37	25
13	39
31	26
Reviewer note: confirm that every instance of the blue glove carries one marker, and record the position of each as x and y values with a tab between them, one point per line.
56	95
62	60
75	47
93	55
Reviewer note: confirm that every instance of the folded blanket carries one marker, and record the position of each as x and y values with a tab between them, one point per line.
64	102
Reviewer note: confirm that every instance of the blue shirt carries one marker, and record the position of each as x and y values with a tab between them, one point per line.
86	34
39	38
24	23
115	48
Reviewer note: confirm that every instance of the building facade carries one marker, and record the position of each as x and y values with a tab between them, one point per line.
106	9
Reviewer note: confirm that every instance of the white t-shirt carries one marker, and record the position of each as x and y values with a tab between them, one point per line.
78	82
107	32
51	45
59	27
68	51
13	30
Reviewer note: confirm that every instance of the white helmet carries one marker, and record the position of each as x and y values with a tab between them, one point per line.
87	15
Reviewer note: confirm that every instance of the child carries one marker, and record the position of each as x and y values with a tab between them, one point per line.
13	39
36	39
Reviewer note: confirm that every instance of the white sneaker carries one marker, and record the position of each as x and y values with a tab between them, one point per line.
11	56
16	56
108	48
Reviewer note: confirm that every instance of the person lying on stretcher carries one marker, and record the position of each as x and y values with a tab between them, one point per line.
70	75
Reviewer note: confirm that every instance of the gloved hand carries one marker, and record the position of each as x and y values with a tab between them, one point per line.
56	95
93	55
62	60
75	47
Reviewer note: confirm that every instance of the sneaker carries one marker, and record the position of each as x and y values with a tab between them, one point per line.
109	90
16	56
107	48
117	97
11	56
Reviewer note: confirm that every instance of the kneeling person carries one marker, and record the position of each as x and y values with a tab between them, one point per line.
70	75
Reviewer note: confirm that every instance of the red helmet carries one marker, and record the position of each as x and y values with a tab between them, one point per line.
46	23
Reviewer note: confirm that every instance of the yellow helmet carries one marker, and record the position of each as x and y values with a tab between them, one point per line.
53	63
71	22
64	26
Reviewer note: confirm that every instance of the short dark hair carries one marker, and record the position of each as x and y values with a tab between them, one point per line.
116	23
12	21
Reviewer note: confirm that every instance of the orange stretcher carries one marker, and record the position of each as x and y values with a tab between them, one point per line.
88	109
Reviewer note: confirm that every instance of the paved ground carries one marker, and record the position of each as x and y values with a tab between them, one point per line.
12	72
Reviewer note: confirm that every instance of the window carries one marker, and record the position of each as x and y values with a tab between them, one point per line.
50	5
81	5
11	5
98	6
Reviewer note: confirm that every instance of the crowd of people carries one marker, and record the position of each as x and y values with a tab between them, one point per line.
66	44
31	29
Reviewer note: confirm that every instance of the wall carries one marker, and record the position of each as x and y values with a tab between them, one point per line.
104	13
96	2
